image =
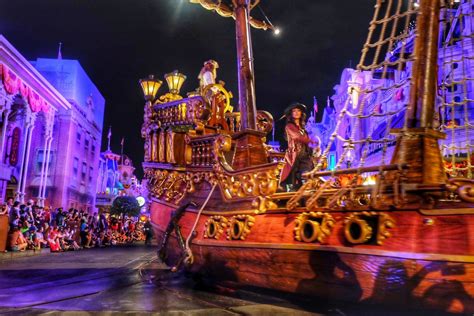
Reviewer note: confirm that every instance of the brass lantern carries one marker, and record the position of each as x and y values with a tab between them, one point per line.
150	87
175	81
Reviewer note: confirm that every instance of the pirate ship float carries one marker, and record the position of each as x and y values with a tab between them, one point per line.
398	232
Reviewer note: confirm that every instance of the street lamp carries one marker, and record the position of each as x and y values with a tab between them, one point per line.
150	87
175	81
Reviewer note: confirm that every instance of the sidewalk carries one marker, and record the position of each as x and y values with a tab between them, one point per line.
10	255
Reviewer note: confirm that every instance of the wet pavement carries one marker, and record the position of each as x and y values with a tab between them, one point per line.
129	280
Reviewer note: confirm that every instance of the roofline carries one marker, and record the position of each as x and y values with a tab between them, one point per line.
16	59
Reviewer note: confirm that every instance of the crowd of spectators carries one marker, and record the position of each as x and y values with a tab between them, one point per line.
33	227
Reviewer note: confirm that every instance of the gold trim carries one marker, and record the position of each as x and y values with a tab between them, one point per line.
239	227
215	226
319	224
384	222
448	211
365	231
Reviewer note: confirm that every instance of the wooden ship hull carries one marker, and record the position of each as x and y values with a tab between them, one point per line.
426	262
406	238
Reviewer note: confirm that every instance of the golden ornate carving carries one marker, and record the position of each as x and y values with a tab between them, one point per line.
211	89
239	227
464	188
161	146
166	185
245	183
215	226
154	146
313	226
168	97
170	146
193	178
264	121
385	222
226	11
359	228
251	184
262	204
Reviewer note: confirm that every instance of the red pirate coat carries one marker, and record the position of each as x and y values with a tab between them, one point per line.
298	139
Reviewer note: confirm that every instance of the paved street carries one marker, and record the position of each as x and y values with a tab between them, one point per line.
114	280
125	280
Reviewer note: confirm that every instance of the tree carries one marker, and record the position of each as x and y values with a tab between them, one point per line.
125	205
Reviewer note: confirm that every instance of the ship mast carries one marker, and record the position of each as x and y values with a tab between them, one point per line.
417	143
249	148
245	70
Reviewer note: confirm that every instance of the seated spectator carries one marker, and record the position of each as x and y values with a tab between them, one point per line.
16	240
38	239
69	235
53	240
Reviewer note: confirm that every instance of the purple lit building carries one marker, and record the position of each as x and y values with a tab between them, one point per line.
52	116
455	114
115	178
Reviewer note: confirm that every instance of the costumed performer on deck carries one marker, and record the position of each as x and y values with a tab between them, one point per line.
298	157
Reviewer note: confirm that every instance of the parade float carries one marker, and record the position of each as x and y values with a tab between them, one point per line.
398	229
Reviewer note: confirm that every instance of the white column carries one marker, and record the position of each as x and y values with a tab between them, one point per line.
43	164
48	157
48	137
6	113
23	151
46	170
30	125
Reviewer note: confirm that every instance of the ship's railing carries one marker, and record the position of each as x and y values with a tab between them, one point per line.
233	121
202	151
191	111
165	146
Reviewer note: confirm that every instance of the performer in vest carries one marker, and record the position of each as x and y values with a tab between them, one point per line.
208	73
298	157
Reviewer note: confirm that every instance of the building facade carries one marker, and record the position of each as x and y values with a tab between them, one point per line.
79	131
52	118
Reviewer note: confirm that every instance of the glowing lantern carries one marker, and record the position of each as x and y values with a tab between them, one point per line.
150	87
175	81
141	201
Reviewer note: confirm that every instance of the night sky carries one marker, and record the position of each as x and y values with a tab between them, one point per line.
120	41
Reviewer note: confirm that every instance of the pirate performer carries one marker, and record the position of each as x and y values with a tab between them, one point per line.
298	157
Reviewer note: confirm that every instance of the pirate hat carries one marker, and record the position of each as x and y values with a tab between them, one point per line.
295	105
212	62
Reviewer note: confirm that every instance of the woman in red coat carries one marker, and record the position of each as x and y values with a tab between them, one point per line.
298	155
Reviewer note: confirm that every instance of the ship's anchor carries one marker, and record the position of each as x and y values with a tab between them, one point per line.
174	225
187	257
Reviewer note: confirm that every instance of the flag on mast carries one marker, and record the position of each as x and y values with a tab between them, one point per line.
109	135
121	149
315	105
60	55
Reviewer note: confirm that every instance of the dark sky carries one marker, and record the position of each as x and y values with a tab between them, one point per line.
120	41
